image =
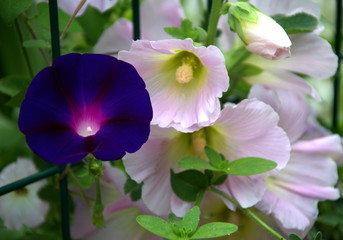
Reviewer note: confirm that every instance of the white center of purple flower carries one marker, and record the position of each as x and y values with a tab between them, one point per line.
88	121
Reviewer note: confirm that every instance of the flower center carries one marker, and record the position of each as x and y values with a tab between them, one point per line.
88	122
21	191
184	73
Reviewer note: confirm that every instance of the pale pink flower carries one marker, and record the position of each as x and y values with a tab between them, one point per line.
311	55
184	81
155	15
310	175
261	34
120	212
69	6
22	207
243	130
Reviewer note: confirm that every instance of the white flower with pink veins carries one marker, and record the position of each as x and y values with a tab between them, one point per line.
310	54
311	173
21	207
248	129
184	81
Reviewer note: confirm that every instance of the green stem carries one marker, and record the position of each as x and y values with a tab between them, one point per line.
98	208
21	38
249	213
214	17
199	198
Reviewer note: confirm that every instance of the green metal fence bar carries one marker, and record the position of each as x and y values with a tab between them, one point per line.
30	179
55	44
337	78
136	19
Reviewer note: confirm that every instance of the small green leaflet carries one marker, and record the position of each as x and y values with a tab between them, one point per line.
213	230
250	166
157	226
185	229
191	220
318	236
187	31
297	23
241	167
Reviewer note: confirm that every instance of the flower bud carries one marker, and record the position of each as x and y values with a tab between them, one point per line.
260	33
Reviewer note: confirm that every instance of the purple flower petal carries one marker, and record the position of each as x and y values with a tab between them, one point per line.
85	104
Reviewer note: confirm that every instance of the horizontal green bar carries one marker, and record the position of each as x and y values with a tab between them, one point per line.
30	179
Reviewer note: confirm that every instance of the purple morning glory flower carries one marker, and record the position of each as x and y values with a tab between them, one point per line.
83	104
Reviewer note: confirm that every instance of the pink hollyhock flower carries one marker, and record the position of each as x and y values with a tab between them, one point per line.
309	48
120	212
184	81
69	6
260	33
119	36
292	195
246	129
22	207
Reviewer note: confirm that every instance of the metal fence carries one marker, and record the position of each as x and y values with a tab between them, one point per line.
61	170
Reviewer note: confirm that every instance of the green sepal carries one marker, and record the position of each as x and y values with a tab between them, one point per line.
244	11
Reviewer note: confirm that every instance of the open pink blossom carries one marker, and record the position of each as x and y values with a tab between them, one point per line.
243	130
120	212
22	207
292	195
69	6
119	36
184	81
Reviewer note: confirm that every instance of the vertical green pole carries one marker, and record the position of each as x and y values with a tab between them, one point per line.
55	43
337	79
136	20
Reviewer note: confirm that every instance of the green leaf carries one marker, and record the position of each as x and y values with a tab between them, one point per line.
157	226
188	184
293	236
187	31
248	70
11	85
16	100
318	236
213	230
194	163
297	23
134	188
10	9
214	157
191	220
39	43
250	166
